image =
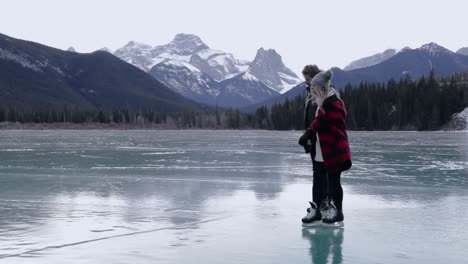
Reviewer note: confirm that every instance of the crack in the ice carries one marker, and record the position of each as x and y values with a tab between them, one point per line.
110	237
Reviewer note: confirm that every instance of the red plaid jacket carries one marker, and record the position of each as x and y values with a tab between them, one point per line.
331	129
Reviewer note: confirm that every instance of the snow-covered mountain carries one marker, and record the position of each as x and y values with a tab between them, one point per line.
407	62
432	49
106	49
190	67
243	90
371	60
182	45
218	64
50	78
404	49
189	81
189	48
186	80
136	53
463	51
71	49
268	67
435	50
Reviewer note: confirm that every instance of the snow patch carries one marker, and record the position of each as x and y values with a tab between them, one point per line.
434	50
222	59
28	62
288	78
249	77
463	117
169	56
178	63
137	45
463	51
106	49
243	68
207	53
404	49
458	122
287	86
20	59
172	56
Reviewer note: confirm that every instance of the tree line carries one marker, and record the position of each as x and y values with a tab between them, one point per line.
423	104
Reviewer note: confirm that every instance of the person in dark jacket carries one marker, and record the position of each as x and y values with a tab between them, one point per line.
309	73
319	180
329	149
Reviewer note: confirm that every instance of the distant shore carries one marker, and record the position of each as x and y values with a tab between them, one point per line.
77	126
149	126
97	126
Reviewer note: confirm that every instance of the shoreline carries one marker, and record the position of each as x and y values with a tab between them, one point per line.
101	126
117	126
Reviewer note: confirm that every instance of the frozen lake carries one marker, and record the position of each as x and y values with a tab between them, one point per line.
227	197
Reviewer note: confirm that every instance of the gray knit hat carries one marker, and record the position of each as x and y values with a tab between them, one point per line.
322	80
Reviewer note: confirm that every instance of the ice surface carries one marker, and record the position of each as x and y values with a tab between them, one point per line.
226	197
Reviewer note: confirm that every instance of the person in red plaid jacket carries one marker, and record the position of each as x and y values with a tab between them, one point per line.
329	149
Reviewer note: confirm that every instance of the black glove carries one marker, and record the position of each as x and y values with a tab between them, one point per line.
305	137
307	148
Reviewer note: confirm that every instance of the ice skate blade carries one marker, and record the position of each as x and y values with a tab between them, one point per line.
336	224
313	224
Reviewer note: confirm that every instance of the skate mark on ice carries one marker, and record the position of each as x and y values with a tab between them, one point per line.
174	227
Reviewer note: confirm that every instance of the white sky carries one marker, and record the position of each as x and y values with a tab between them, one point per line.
327	32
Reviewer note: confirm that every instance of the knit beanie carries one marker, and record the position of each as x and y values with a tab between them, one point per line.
322	80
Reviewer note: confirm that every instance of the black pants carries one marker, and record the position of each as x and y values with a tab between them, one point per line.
326	185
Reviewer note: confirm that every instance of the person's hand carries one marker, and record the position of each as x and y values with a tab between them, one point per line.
305	137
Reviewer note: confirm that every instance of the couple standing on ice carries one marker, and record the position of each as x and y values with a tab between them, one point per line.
326	140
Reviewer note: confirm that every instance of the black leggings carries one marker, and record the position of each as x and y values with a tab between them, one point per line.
326	185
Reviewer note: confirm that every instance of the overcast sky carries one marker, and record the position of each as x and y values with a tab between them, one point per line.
327	32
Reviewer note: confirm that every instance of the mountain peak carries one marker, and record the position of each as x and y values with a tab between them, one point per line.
406	48
390	51
184	37
130	43
106	49
434	48
71	49
463	51
268	52
135	53
184	44
134	44
268	66
268	55
371	60
107	83
431	45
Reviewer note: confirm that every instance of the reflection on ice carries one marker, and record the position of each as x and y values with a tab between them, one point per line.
139	197
325	244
